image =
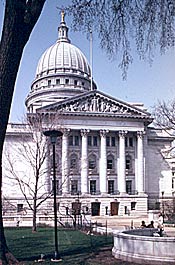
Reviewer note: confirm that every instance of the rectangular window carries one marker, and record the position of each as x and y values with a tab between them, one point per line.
91	164
109	164
133	206
67	81
126	142
112	141
129	186
75	82
92	186
73	163
76	138
111	186
173	183
49	82
128	163
71	140
57	81
89	141
94	140
130	141
74	186
107	141
19	207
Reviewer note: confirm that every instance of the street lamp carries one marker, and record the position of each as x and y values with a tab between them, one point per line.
53	134
163	205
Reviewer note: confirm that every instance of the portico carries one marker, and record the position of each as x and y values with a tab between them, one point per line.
100	166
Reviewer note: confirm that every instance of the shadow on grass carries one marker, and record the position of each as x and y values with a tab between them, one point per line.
75	247
78	255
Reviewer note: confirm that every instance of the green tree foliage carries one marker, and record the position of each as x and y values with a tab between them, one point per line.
124	26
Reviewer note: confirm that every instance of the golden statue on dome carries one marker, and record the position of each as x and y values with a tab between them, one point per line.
62	16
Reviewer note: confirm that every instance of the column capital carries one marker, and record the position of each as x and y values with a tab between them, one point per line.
140	134
122	133
103	133
66	132
84	132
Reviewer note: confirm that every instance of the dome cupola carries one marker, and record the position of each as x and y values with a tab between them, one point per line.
62	72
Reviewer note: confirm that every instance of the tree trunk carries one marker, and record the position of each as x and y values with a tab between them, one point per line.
34	216
19	20
3	245
5	256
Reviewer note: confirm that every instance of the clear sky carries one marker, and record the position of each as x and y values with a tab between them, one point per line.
144	83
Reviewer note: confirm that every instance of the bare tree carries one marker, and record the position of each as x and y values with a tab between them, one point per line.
164	116
164	119
19	20
31	150
122	25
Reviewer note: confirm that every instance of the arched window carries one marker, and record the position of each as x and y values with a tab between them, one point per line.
110	162
73	161
128	163
92	162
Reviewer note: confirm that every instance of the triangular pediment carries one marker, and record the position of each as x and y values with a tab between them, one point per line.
98	103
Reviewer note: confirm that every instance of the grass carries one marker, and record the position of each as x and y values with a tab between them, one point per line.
75	247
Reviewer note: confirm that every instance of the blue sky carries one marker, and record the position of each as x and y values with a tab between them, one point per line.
144	83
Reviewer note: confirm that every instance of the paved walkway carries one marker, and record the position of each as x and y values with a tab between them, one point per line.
121	223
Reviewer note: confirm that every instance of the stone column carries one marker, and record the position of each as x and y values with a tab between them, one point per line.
122	163
65	166
103	162
84	161
140	162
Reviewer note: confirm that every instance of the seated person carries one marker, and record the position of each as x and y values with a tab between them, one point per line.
151	225
143	225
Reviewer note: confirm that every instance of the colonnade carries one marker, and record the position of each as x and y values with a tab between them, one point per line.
139	177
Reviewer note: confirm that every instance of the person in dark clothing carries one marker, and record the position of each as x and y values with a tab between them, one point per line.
151	225
143	225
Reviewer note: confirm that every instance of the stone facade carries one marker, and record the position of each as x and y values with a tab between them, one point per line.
109	159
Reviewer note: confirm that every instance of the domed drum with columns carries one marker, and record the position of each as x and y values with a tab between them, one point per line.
62	72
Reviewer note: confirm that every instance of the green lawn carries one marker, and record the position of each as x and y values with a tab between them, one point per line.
75	247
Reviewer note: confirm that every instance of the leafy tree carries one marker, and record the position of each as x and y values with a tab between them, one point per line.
122	25
19	19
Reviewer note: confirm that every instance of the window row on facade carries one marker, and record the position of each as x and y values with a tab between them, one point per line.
75	140
93	164
93	187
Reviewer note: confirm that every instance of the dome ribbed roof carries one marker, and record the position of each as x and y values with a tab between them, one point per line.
62	55
62	72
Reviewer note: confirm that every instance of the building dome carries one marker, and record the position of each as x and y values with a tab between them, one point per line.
63	55
62	72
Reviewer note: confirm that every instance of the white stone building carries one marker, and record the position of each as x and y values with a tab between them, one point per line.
109	158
